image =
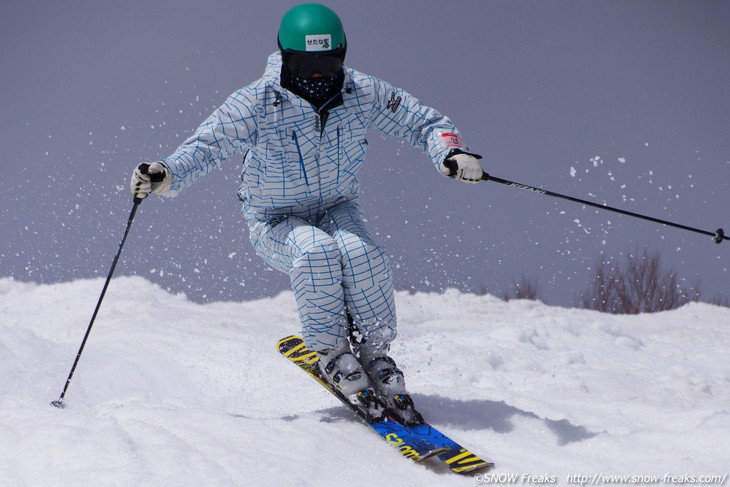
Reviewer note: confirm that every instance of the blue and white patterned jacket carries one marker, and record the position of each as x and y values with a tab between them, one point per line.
290	164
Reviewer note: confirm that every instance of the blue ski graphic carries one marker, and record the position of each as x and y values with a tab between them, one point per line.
417	442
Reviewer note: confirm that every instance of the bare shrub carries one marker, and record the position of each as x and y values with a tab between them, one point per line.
639	286
524	289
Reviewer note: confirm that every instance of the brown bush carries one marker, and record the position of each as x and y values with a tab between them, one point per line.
639	286
524	289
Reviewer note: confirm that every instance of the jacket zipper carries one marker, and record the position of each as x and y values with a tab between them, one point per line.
301	159
339	158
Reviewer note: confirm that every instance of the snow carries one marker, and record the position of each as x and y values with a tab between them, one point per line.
195	394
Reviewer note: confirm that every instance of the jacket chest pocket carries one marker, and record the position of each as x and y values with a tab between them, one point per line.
351	144
295	152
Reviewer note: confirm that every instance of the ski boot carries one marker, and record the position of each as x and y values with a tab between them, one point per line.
390	386
346	374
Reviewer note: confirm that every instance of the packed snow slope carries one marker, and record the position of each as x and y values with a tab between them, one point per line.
173	393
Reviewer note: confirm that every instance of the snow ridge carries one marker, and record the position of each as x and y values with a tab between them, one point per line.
195	394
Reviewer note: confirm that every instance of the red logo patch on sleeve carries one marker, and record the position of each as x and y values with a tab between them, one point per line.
452	140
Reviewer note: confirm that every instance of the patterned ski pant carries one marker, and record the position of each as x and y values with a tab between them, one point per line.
335	269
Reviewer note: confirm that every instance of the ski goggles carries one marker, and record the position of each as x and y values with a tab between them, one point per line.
306	64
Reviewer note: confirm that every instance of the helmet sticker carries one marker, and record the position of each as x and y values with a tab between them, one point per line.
318	42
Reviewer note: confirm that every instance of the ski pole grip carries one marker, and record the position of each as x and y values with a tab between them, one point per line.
155	177
453	166
143	168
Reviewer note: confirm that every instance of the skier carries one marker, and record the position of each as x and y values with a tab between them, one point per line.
301	128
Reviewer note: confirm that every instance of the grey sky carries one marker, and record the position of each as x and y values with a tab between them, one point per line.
622	102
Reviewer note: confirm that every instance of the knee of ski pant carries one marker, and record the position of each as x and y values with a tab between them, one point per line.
367	260
259	235
321	257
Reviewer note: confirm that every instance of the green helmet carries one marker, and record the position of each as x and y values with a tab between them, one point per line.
311	27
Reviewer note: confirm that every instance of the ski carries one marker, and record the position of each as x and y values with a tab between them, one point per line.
416	442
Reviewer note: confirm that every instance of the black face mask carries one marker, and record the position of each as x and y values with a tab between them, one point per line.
316	91
305	64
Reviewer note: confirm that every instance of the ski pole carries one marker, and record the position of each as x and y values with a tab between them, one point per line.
59	403
718	236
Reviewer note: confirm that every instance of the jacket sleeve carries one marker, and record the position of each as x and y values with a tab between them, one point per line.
398	113
229	129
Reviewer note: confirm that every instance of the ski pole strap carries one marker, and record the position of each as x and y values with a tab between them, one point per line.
717	236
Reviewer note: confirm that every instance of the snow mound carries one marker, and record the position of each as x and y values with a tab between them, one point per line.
170	392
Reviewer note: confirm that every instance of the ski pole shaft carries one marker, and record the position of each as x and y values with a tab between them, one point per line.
59	403
718	236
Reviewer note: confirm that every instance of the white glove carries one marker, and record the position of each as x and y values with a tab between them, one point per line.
150	178
462	166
